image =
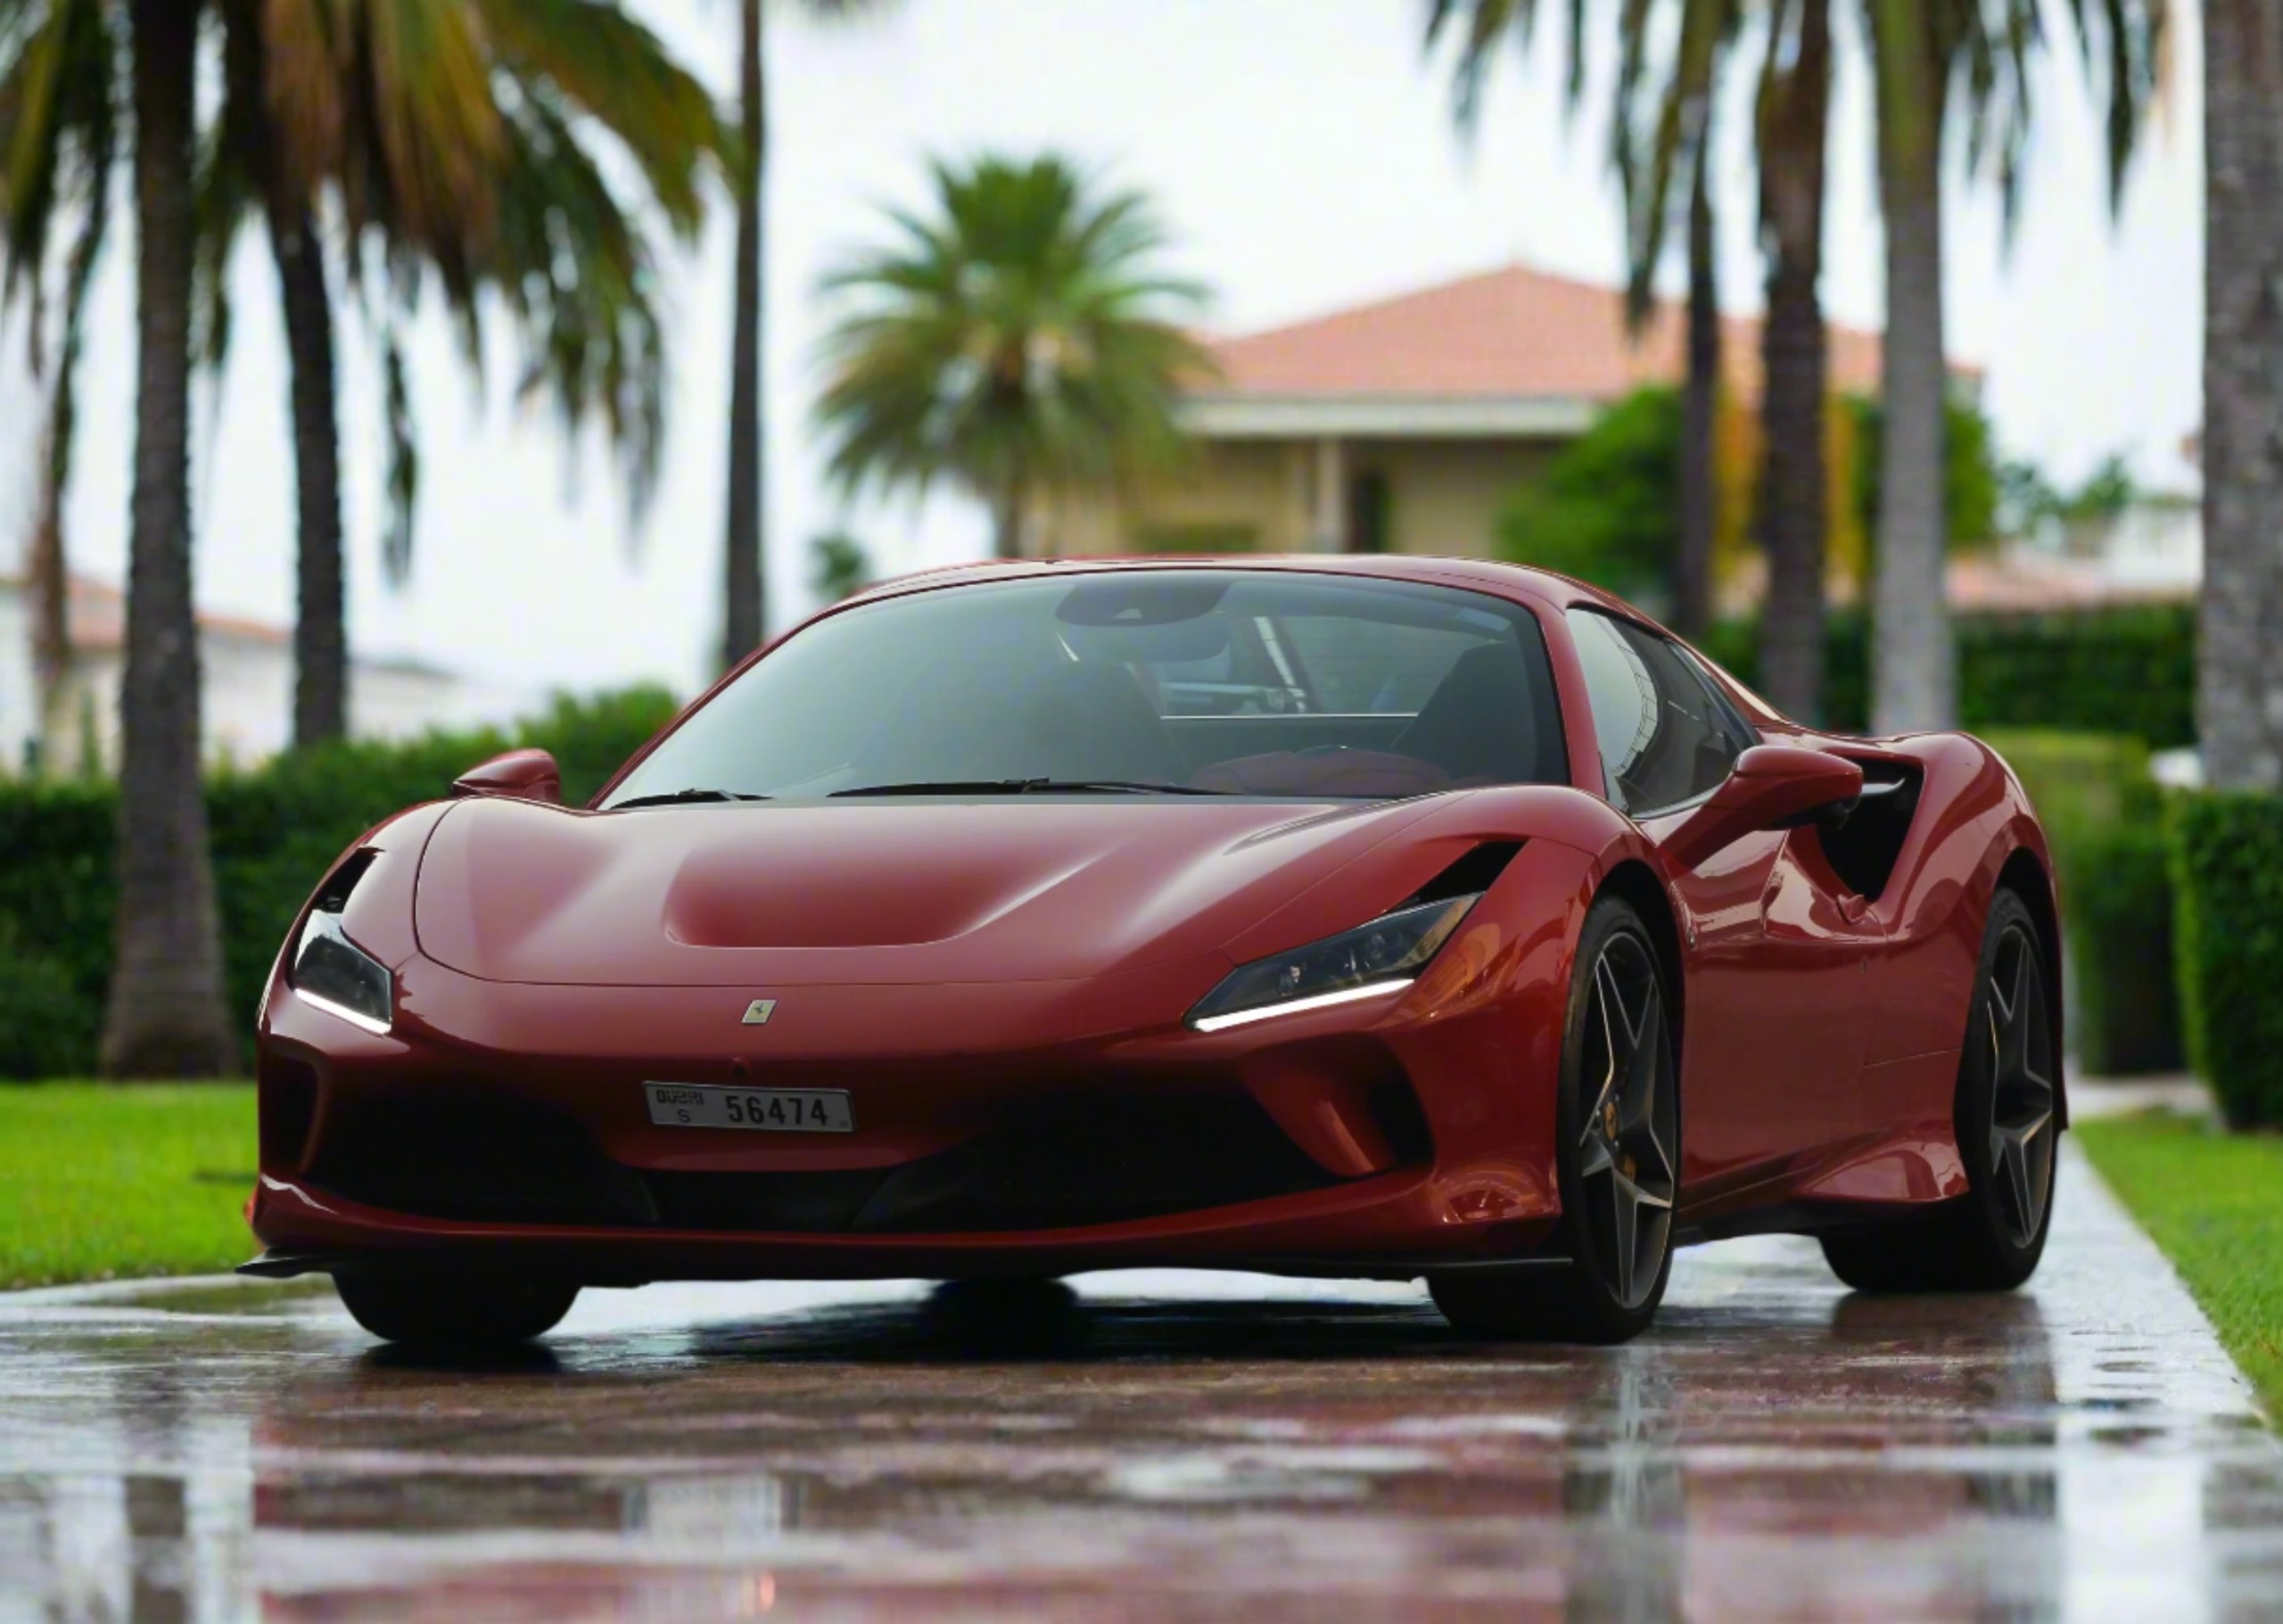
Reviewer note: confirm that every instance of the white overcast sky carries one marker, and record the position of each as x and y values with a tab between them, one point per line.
1301	151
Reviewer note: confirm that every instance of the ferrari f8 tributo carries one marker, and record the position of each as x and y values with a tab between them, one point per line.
1344	917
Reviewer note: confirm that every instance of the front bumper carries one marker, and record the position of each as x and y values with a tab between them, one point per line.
509	1123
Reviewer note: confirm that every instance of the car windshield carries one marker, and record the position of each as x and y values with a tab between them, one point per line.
1190	681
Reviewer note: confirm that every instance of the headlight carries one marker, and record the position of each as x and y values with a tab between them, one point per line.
1380	957
332	972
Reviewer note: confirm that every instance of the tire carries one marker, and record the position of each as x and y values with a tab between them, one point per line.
1990	1238
1616	1157
461	1312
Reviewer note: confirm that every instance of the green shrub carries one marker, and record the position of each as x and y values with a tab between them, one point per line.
276	828
47	1025
2129	670
2227	856
2104	817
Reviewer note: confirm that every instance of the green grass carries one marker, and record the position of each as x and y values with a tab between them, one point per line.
2215	1202
108	1182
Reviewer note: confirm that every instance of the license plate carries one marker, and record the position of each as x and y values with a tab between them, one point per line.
769	1110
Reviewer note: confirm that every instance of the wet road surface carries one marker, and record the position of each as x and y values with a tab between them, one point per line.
1161	1446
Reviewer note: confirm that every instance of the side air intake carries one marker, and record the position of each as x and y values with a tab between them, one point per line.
1470	876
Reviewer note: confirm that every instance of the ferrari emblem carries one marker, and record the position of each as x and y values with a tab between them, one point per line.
759	1011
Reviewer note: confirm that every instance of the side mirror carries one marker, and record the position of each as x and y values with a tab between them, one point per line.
1773	787
520	775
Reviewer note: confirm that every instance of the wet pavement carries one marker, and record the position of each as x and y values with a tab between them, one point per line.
1161	1446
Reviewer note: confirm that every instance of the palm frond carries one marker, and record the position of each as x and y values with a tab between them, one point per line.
1485	25
1022	335
595	58
59	124
575	269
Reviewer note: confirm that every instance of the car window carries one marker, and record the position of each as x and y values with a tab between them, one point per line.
1666	737
1234	681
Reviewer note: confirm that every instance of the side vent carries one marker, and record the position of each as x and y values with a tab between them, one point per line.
1469	876
1864	848
333	896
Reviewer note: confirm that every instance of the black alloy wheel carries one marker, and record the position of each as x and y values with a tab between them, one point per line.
1626	1145
2007	1121
2019	1139
1617	1122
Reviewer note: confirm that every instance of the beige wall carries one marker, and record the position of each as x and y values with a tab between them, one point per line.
1445	497
1260	486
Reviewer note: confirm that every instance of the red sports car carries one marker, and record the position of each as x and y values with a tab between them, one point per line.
1330	916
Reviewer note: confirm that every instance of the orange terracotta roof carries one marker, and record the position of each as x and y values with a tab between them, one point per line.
1515	333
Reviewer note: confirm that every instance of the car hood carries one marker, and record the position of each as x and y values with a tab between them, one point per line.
883	892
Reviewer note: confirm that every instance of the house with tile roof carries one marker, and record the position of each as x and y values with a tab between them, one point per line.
1404	425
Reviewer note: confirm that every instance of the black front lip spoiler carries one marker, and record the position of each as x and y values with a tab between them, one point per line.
292	1266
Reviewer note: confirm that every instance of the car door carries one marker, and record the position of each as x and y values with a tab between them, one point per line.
1778	949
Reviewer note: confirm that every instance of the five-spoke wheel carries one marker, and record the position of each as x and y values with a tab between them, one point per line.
1618	1157
1990	1238
1625	1166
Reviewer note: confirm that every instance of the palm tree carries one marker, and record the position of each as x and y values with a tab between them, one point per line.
1663	156
1923	57
1659	151
1019	340
746	620
1679	144
165	1017
456	136
1794	124
2240	703
1699	494
472	163
60	65
1922	49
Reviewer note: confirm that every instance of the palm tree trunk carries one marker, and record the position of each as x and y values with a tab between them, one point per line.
1010	508
320	627
745	586
51	577
1914	662
165	1017
1793	145
2240	701
50	567
1699	496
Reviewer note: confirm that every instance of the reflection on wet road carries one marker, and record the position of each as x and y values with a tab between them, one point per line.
1159	1446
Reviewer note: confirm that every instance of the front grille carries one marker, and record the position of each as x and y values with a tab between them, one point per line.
474	1157
1046	1165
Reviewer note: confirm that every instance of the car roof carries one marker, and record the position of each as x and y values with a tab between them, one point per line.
1484	574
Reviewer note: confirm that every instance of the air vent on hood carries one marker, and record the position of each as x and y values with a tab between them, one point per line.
1470	876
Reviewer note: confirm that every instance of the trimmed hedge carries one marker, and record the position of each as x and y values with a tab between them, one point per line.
2128	671
276	828
2103	817
2227	857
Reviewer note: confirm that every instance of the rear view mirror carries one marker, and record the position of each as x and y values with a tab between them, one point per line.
1773	787
520	775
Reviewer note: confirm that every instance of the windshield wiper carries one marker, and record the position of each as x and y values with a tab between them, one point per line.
1119	786
685	797
1030	786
